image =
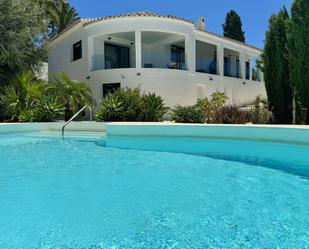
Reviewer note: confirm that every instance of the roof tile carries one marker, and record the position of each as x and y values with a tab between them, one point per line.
88	21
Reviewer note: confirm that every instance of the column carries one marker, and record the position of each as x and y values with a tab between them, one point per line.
102	59
190	53
90	54
220	60
138	49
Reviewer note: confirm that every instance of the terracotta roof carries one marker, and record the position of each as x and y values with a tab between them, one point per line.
137	14
88	21
230	39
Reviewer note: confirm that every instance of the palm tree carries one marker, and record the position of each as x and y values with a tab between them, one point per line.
27	99
61	15
73	94
21	93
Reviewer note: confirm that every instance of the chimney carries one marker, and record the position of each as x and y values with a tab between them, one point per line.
201	23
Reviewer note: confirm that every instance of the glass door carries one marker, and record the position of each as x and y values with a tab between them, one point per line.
177	57
116	56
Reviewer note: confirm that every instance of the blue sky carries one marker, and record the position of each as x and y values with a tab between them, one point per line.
254	13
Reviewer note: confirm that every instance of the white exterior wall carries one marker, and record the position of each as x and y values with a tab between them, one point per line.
158	56
175	86
60	56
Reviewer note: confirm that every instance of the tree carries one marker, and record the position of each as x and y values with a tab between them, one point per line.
61	15
298	47
22	36
73	94
276	68
233	27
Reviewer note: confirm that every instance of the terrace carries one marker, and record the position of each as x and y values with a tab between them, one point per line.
163	50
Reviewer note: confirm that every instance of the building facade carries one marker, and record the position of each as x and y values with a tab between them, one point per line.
167	55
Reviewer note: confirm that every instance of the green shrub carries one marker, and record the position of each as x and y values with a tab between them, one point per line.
46	109
72	93
49	108
28	115
214	110
127	104
153	107
112	109
259	112
187	114
231	114
212	106
30	100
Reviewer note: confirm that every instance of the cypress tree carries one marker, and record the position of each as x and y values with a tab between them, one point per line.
298	46
233	27
276	68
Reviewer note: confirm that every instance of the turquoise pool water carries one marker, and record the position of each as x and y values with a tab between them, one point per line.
77	193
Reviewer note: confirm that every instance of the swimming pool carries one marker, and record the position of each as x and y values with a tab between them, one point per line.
85	192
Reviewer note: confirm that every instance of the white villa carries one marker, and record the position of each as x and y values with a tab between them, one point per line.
167	55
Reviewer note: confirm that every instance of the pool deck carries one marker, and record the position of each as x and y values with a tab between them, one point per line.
80	124
85	126
206	125
274	133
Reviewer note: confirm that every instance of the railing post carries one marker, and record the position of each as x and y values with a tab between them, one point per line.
74	116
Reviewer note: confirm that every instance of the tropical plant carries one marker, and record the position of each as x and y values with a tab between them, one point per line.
28	100
112	109
22	37
298	44
49	108
21	94
61	15
233	27
46	109
276	68
72	94
187	114
153	107
129	104
211	107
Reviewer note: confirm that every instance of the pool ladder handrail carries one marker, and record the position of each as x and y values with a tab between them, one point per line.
75	115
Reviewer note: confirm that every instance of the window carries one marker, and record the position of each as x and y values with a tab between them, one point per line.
226	67
247	70
77	51
237	68
116	56
110	88
213	67
177	57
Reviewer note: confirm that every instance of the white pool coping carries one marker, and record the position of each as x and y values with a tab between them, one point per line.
82	126
273	133
207	125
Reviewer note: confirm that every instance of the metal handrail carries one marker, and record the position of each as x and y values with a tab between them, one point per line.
75	115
